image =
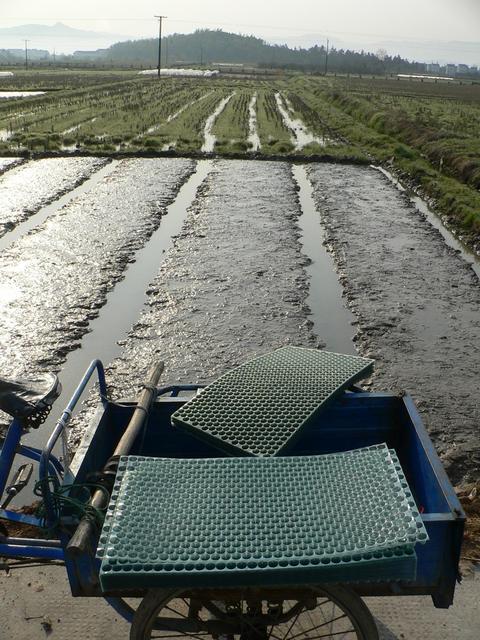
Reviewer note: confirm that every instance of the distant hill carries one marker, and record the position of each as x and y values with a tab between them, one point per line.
59	37
209	46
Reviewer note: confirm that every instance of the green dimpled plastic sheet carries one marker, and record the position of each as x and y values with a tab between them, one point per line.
346	517
259	407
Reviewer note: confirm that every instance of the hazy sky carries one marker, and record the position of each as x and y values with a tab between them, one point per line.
349	19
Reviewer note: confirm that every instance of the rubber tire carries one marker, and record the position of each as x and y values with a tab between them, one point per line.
347	599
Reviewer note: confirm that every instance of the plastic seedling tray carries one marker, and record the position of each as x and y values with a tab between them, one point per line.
260	407
347	517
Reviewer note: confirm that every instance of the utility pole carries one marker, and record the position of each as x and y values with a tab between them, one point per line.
160	18
26	54
326	58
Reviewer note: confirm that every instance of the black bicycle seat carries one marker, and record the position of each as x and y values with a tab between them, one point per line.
29	400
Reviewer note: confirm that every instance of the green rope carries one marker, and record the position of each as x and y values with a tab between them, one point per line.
62	502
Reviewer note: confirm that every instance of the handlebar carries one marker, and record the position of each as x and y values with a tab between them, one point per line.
95	365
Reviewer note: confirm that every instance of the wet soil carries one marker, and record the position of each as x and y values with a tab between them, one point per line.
469	496
24	190
55	278
9	163
123	304
233	285
416	300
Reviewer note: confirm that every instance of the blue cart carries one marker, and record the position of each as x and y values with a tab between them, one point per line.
353	420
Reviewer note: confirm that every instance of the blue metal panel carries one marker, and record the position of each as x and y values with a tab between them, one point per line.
18	551
8	452
55	466
15	516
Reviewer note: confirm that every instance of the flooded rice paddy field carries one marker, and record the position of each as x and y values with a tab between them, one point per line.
247	272
233	285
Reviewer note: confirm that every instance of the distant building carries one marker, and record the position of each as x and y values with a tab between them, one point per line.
33	54
89	54
433	67
451	69
228	64
463	68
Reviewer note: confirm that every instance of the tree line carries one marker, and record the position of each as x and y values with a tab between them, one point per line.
206	46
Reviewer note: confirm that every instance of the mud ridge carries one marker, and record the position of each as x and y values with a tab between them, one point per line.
55	279
9	163
470	239
25	189
416	301
200	155
233	285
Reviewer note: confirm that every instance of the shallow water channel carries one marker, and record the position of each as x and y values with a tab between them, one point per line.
332	320
125	302
39	218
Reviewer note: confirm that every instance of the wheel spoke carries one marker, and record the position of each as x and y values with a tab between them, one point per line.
178	613
329	635
344	615
271	628
182	635
290	627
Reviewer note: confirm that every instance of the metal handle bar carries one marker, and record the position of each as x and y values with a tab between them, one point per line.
61	425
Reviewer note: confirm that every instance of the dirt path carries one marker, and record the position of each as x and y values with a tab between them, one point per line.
417	304
233	286
40	606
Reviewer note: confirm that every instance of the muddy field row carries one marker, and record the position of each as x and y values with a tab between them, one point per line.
55	278
237	280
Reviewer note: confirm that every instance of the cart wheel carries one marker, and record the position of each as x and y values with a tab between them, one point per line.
328	612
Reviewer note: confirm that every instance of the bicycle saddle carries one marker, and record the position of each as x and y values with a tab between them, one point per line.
29	400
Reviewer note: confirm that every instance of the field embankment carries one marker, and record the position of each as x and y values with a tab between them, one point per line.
429	135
